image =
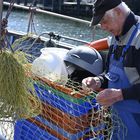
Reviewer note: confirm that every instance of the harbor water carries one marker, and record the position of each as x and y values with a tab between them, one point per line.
18	21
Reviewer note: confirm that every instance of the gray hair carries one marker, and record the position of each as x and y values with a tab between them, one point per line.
122	6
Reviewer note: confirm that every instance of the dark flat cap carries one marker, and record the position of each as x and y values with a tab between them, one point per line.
100	7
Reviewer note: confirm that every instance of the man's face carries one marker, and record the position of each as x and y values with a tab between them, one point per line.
111	23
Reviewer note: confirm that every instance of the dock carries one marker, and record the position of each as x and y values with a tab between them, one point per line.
75	9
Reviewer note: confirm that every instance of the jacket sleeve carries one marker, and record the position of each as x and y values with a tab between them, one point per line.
134	91
103	79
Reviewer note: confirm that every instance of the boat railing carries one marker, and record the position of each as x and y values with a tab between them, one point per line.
60	40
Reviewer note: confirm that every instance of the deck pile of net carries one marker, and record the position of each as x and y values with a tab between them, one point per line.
17	98
63	110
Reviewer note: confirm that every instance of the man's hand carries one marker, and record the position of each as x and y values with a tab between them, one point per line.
108	97
93	83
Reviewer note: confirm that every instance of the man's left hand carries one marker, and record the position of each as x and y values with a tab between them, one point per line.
108	97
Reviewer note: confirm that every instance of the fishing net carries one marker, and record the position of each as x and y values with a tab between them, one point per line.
56	111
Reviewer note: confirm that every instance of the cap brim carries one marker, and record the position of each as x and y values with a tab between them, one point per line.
96	19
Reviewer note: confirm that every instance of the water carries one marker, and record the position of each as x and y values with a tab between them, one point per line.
18	21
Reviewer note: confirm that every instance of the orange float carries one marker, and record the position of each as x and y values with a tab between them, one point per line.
100	44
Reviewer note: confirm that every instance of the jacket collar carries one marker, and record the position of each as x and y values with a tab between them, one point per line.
131	20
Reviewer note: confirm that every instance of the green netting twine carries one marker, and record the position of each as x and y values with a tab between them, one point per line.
17	98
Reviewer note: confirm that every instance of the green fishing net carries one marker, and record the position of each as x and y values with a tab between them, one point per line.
33	106
17	98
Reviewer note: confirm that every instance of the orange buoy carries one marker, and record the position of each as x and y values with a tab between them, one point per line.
100	44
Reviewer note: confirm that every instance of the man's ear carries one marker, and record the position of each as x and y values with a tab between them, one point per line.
118	12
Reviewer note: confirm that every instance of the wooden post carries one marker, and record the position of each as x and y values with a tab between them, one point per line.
18	1
78	7
47	2
60	5
35	3
25	2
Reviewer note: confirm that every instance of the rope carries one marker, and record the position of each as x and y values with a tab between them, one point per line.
10	8
31	25
4	23
31	22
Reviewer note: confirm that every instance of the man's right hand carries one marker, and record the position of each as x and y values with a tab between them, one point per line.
93	83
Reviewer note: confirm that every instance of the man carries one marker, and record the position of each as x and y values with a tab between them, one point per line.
121	80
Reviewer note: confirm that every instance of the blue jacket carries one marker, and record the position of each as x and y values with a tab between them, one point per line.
132	57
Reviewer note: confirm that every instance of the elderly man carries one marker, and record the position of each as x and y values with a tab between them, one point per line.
121	80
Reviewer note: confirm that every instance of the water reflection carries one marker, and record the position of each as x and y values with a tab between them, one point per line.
18	20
